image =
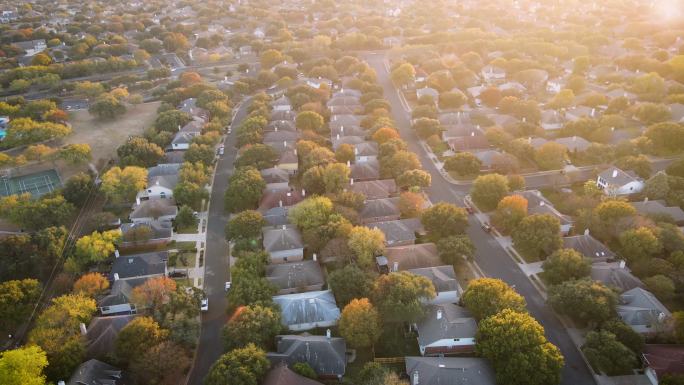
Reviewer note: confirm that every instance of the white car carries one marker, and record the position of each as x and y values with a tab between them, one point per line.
221	150
205	304
227	285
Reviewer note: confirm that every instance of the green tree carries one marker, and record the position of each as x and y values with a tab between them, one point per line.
639	244
585	301
270	58
244	189
245	225
625	334
311	213
667	137
304	369
414	178
565	265
244	366
17	299
201	153
350	282
453	249
96	247
171	120
537	236
360	323
452	99
249	289
398	163
640	164
444	219
678	318
651	113
509	212
191	194
77	153
551	156
251	324
137	337
23	366
259	156
161	364
398	296
660	285
515	344
485	297
137	151
488	190
107	107
564	99
310	120
185	218
463	163
426	127
607	355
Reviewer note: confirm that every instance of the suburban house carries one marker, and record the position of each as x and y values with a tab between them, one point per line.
446	329
156	233
492	74
280	125
31	47
288	161
614	181
101	334
280	195
159	210
615	275
538	204
118	301
365	171
279	140
94	372
489	158
296	277
280	374
409	257
378	210
400	232
344	101
552	120
659	207
282	104
449	370
308	310
443	278
468	143
574	144
589	246
275	175
459	130
161	180
326	355
662	360
374	189
643	312
283	244
283	115
139	265
427	91
183	139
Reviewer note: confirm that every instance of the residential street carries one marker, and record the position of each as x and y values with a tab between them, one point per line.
216	266
490	256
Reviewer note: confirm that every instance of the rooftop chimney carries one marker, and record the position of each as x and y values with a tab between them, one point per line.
116	253
284	227
280	203
315	257
348	163
61	383
615	172
338	136
586	231
83	328
622	264
351	181
303	192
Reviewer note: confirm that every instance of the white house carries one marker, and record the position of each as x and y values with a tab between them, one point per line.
493	74
614	182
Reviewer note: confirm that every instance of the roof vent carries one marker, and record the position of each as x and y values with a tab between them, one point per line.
615	173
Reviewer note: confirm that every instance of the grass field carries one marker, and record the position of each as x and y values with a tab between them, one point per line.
104	137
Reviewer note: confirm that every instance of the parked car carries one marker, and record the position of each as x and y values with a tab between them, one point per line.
178	274
205	304
227	285
221	150
486	228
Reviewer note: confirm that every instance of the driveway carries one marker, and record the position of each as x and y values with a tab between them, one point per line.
490	256
216	265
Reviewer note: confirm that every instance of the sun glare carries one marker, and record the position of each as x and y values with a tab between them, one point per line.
669	10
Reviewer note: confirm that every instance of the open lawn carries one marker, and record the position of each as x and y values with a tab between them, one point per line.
104	137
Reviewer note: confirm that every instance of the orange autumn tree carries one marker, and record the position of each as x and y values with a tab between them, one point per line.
385	134
91	284
153	293
509	212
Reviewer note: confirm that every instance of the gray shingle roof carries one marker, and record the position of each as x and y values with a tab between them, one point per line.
640	309
443	278
102	332
281	238
94	372
326	356
383	207
139	265
154	208
413	256
295	275
446	321
588	246
400	230
612	275
280	374
659	207
374	189
616	177
449	371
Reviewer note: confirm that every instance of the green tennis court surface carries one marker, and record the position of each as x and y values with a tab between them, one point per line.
36	184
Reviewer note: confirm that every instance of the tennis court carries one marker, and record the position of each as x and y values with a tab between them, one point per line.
36	184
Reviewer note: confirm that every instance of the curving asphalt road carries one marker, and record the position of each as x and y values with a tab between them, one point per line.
490	256
216	264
